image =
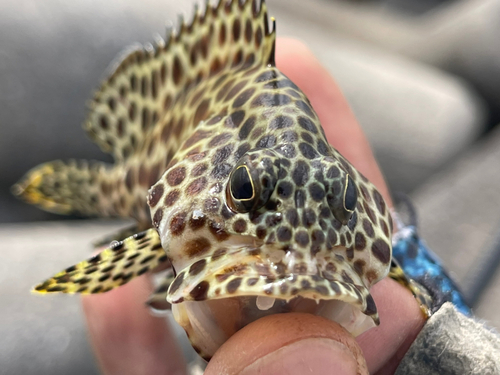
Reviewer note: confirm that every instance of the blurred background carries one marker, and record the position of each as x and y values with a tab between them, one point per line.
422	76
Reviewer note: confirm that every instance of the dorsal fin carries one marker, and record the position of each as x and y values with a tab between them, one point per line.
148	80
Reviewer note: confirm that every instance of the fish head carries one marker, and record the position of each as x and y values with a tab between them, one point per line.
269	230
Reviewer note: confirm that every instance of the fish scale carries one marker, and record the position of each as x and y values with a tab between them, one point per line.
246	197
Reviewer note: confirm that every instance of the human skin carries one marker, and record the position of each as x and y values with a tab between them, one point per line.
127	339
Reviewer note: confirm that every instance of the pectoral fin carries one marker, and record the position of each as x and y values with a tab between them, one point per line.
419	292
111	268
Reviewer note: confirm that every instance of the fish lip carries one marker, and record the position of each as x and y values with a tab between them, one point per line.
243	273
210	323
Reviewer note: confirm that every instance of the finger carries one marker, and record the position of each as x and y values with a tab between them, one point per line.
400	322
289	344
126	338
302	343
342	130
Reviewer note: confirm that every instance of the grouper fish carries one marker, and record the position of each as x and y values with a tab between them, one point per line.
223	164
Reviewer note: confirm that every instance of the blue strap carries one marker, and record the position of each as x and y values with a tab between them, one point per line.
422	265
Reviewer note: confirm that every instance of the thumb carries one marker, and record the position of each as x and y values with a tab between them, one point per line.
289	344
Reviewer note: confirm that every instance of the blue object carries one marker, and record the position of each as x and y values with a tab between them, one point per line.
422	265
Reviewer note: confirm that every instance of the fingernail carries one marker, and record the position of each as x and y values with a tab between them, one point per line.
309	356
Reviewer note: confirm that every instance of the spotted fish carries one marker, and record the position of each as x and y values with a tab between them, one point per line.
222	161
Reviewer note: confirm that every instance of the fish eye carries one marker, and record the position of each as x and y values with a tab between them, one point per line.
252	182
350	195
241	190
343	203
241	184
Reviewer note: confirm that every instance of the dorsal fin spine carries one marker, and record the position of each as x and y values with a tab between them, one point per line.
272	57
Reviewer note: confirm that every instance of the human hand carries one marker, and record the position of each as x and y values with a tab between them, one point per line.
129	340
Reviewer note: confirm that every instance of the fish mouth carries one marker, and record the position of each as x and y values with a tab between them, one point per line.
216	296
209	324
